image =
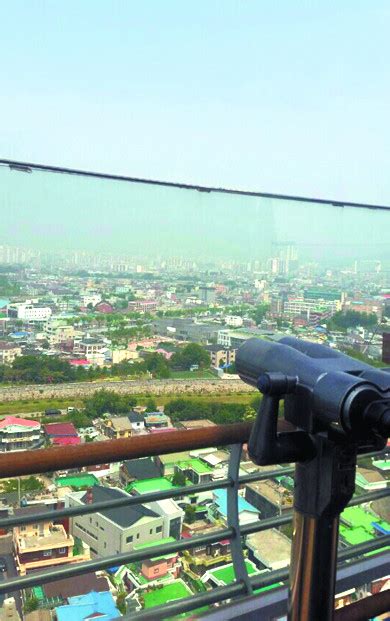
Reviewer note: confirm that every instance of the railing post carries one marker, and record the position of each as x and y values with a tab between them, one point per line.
233	518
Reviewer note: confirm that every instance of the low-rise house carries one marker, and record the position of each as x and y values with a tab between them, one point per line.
137	421
369	480
62	433
117	427
19	434
207	555
166	463
224	575
113	530
168	509
195	424
269	497
138	470
156	420
8	352
87	607
195	470
43	544
218	509
161	565
57	593
270	549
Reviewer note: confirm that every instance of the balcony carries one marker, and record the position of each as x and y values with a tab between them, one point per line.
357	564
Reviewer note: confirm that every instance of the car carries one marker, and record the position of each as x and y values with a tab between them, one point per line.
3	564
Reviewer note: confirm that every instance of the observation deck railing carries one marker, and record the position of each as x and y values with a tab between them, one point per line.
352	560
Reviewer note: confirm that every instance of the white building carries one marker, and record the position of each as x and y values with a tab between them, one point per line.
91	298
234	321
32	312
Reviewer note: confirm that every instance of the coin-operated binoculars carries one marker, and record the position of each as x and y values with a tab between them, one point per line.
340	408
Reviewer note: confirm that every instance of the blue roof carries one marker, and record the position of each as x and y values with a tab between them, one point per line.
220	496
19	334
96	606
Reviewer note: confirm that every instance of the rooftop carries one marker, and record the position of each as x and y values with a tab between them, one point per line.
196	464
150	485
123	516
90	606
225	574
141	469
271	547
20	422
167	593
60	429
77	480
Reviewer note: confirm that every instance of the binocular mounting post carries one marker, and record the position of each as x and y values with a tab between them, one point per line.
324	484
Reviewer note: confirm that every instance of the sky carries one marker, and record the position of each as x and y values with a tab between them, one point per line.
286	97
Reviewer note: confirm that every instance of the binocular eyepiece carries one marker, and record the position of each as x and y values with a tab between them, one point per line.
321	387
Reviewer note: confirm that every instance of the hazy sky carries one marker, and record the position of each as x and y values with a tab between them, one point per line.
277	96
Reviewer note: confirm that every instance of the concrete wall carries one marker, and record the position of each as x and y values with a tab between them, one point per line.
151	387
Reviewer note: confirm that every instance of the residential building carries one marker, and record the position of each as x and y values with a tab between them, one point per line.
369	480
32	312
19	434
195	470
104	307
62	433
269	497
166	463
161	565
58	592
117	427
138	470
221	356
114	530
93	605
89	347
157	420
270	549
8	352
42	545
58	331
137	422
218	510
234	321
142	306
208	555
195	424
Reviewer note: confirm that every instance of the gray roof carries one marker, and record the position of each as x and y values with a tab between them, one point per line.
123	516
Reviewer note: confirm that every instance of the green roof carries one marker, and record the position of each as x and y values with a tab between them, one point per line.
77	480
160	542
226	573
158	484
382	464
168	593
38	593
196	464
356	525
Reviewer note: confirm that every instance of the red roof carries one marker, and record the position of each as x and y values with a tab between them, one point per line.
66	441
78	363
60	429
14	420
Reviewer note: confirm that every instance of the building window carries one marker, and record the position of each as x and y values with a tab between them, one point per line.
137	535
155	570
129	539
22	528
62	550
151	531
158	529
46	553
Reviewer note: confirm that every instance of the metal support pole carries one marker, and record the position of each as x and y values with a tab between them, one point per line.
233	518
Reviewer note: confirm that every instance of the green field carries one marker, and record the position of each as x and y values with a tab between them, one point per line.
36	405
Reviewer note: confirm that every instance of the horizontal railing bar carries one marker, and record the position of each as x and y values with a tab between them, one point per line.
364	548
96	507
219	594
93	453
188	603
24	582
366	608
173	493
259	476
28	166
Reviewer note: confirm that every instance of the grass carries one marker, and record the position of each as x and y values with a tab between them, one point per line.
37	405
168	593
200	374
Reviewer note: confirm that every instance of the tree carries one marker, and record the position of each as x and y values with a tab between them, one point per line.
190	514
351	319
191	354
179	479
107	401
259	312
151	406
31	604
157	365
